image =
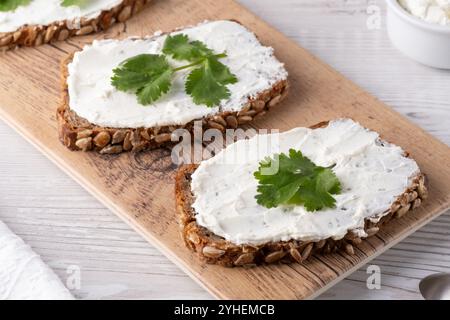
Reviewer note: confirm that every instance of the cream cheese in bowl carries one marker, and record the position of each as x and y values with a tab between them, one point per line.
433	11
421	30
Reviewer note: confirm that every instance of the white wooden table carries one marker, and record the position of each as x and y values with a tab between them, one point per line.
67	226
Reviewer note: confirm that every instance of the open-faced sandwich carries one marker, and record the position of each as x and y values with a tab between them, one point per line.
282	197
122	95
34	22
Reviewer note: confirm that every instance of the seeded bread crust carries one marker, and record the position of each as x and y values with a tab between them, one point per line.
35	35
77	133
214	249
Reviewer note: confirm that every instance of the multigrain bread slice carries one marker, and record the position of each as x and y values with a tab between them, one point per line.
35	35
77	133
214	249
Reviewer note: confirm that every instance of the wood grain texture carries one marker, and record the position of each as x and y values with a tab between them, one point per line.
76	202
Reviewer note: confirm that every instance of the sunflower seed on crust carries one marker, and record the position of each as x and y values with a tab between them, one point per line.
275	100
258	105
244	119
295	255
125	14
403	210
85	30
118	136
422	190
84	133
145	135
49	34
395	206
212	252
215	125
249	113
274	256
17	35
194	238
245	258
111	149
102	139
163	137
232	122
349	249
220	120
319	244
6	40
127	146
63	34
307	251
416	203
84	144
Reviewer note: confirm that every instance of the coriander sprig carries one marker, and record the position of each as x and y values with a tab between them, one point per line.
297	181
9	5
68	3
150	76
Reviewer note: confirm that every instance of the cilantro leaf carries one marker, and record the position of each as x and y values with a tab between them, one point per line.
125	80
147	75
298	181
207	84
148	63
155	88
180	48
68	3
9	5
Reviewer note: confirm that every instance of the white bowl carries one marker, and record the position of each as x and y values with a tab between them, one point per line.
422	41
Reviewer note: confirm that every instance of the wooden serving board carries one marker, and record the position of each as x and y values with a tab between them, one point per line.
139	187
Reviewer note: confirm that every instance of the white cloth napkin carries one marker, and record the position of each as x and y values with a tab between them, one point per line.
23	275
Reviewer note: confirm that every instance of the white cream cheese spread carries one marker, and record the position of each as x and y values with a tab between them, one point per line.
45	12
94	98
372	175
433	11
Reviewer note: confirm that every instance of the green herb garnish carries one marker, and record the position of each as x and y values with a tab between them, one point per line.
180	48
296	181
9	5
149	76
68	3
